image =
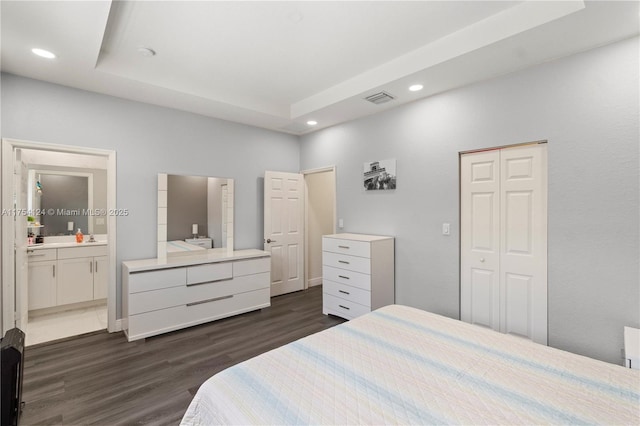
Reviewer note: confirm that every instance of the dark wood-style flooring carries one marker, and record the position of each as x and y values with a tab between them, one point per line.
100	378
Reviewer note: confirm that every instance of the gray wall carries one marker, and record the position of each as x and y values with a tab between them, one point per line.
150	140
586	106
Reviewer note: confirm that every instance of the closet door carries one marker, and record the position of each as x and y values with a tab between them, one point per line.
523	233
480	239
504	240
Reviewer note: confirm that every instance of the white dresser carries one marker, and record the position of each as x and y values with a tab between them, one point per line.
166	294
358	274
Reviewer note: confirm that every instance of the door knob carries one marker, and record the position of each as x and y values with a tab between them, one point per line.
482	259
269	240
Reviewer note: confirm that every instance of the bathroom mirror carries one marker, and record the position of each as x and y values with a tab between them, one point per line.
195	213
62	201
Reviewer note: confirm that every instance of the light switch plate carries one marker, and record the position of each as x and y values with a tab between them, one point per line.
340	223
446	229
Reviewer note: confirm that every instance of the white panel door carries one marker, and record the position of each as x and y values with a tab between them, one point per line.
480	239
523	230
503	216
284	230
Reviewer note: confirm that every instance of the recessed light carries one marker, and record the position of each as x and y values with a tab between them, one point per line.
43	53
312	122
145	51
416	87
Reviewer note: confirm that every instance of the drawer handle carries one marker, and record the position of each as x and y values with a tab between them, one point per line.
209	282
343	277
35	255
343	292
344	307
344	247
343	261
215	299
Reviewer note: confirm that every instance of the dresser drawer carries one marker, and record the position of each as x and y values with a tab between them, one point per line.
343	276
341	307
346	292
252	266
343	261
210	272
41	255
153	280
165	320
353	248
195	294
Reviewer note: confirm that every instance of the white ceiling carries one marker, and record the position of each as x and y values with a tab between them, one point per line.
278	64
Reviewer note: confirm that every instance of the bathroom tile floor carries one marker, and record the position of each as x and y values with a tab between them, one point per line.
44	328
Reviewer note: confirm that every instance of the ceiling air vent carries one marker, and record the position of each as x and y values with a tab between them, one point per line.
379	98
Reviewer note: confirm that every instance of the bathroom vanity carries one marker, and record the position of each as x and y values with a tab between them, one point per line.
169	293
65	273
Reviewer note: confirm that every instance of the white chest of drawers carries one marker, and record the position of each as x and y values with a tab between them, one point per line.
165	295
358	274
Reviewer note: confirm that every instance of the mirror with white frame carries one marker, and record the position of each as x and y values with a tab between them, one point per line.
195	213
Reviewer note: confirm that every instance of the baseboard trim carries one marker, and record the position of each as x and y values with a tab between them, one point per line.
116	327
314	282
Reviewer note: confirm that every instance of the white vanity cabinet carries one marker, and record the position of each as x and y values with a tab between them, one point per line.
42	278
79	269
162	295
357	274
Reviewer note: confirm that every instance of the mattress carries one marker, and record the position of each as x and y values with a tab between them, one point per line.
178	246
407	366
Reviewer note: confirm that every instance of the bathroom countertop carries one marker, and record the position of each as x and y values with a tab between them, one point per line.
66	244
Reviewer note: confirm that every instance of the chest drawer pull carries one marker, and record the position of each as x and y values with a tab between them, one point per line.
343	277
215	299
343	261
344	247
344	307
343	292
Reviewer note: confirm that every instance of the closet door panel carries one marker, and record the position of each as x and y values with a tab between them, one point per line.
523	231
480	238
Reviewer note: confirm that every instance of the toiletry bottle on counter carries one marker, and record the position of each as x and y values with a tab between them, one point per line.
79	236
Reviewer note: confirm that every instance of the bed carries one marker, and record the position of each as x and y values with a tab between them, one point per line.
401	365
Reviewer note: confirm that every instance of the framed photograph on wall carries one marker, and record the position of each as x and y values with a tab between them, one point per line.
380	175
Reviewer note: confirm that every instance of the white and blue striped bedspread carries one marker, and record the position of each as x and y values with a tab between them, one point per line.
400	365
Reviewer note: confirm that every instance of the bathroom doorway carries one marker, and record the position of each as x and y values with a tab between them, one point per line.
320	218
53	286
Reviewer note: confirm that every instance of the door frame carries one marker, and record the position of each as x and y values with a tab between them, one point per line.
7	224
304	173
